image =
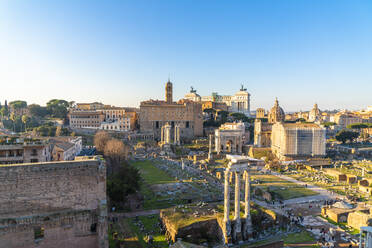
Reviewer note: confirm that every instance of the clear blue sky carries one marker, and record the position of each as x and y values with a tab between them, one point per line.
121	52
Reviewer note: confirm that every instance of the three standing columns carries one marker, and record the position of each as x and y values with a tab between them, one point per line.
237	233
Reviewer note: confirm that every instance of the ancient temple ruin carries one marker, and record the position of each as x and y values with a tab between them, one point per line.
238	166
167	137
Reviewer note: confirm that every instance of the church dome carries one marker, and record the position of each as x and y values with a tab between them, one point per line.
315	113
276	113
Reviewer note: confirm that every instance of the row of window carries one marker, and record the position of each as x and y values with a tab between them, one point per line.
173	123
85	116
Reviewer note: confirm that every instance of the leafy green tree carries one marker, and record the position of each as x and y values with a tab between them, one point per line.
37	110
222	115
18	104
345	135
4	112
357	126
125	181
57	108
328	124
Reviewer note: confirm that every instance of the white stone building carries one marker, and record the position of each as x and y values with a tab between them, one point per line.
298	140
240	102
120	124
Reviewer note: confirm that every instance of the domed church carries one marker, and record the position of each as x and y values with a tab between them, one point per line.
276	113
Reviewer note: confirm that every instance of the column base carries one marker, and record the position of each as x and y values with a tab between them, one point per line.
237	231
226	231
247	229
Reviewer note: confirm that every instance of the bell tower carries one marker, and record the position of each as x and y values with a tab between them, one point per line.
169	92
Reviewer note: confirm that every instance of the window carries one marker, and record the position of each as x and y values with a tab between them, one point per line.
187	124
93	227
157	124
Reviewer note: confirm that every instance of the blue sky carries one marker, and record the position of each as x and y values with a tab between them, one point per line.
122	52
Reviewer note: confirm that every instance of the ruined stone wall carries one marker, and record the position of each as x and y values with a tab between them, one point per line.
51	186
66	229
65	198
359	219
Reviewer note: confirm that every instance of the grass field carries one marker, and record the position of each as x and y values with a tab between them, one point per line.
151	174
285	189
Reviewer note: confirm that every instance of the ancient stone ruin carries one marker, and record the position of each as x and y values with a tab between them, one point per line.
54	204
233	231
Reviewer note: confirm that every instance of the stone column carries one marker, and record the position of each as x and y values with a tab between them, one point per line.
226	210
237	232
162	135
217	145
210	156
177	135
247	228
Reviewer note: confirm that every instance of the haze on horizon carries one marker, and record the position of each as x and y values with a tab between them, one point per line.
122	52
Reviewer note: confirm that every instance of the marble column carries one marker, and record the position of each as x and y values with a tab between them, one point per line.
237	232
226	209
247	228
210	155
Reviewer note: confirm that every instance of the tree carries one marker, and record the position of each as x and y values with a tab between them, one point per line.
222	115
37	110
18	104
357	126
57	108
25	119
100	140
345	135
116	150
126	181
4	111
13	119
328	124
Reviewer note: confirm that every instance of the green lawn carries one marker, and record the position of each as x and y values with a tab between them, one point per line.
285	189
151	174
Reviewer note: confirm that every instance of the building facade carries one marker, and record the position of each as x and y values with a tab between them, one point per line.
91	119
25	152
187	114
262	128
240	102
290	141
99	116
